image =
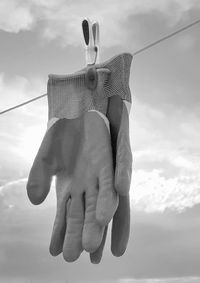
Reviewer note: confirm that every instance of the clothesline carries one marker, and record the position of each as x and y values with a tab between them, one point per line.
134	54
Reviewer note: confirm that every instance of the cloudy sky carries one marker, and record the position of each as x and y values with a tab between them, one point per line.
38	37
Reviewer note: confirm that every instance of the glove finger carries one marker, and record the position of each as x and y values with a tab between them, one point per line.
121	227
96	256
72	246
92	230
59	229
39	180
123	168
107	200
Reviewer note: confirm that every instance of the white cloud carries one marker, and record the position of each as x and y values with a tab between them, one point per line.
17	89
15	203
166	162
14	16
62	19
164	175
13	195
18	127
151	192
65	22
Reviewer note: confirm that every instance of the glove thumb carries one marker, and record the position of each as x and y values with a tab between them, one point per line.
40	176
123	168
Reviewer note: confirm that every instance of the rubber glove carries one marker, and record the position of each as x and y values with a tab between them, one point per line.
77	150
118	115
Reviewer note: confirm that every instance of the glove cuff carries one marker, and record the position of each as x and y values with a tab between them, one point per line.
69	96
118	82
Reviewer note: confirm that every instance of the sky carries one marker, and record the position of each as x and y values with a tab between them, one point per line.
39	37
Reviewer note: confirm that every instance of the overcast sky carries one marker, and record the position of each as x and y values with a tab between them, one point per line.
38	37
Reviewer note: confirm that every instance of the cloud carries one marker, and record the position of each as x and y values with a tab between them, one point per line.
14	198
164	136
16	89
165	159
152	192
170	239
165	169
62	19
112	16
18	127
15	16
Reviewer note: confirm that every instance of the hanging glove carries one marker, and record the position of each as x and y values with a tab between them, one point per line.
77	150
119	104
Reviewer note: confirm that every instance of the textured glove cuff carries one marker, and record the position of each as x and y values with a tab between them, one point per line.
69	97
118	81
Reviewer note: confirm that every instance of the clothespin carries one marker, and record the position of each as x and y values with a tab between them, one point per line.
91	38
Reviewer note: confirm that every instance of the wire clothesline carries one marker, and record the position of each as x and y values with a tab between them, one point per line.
134	54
